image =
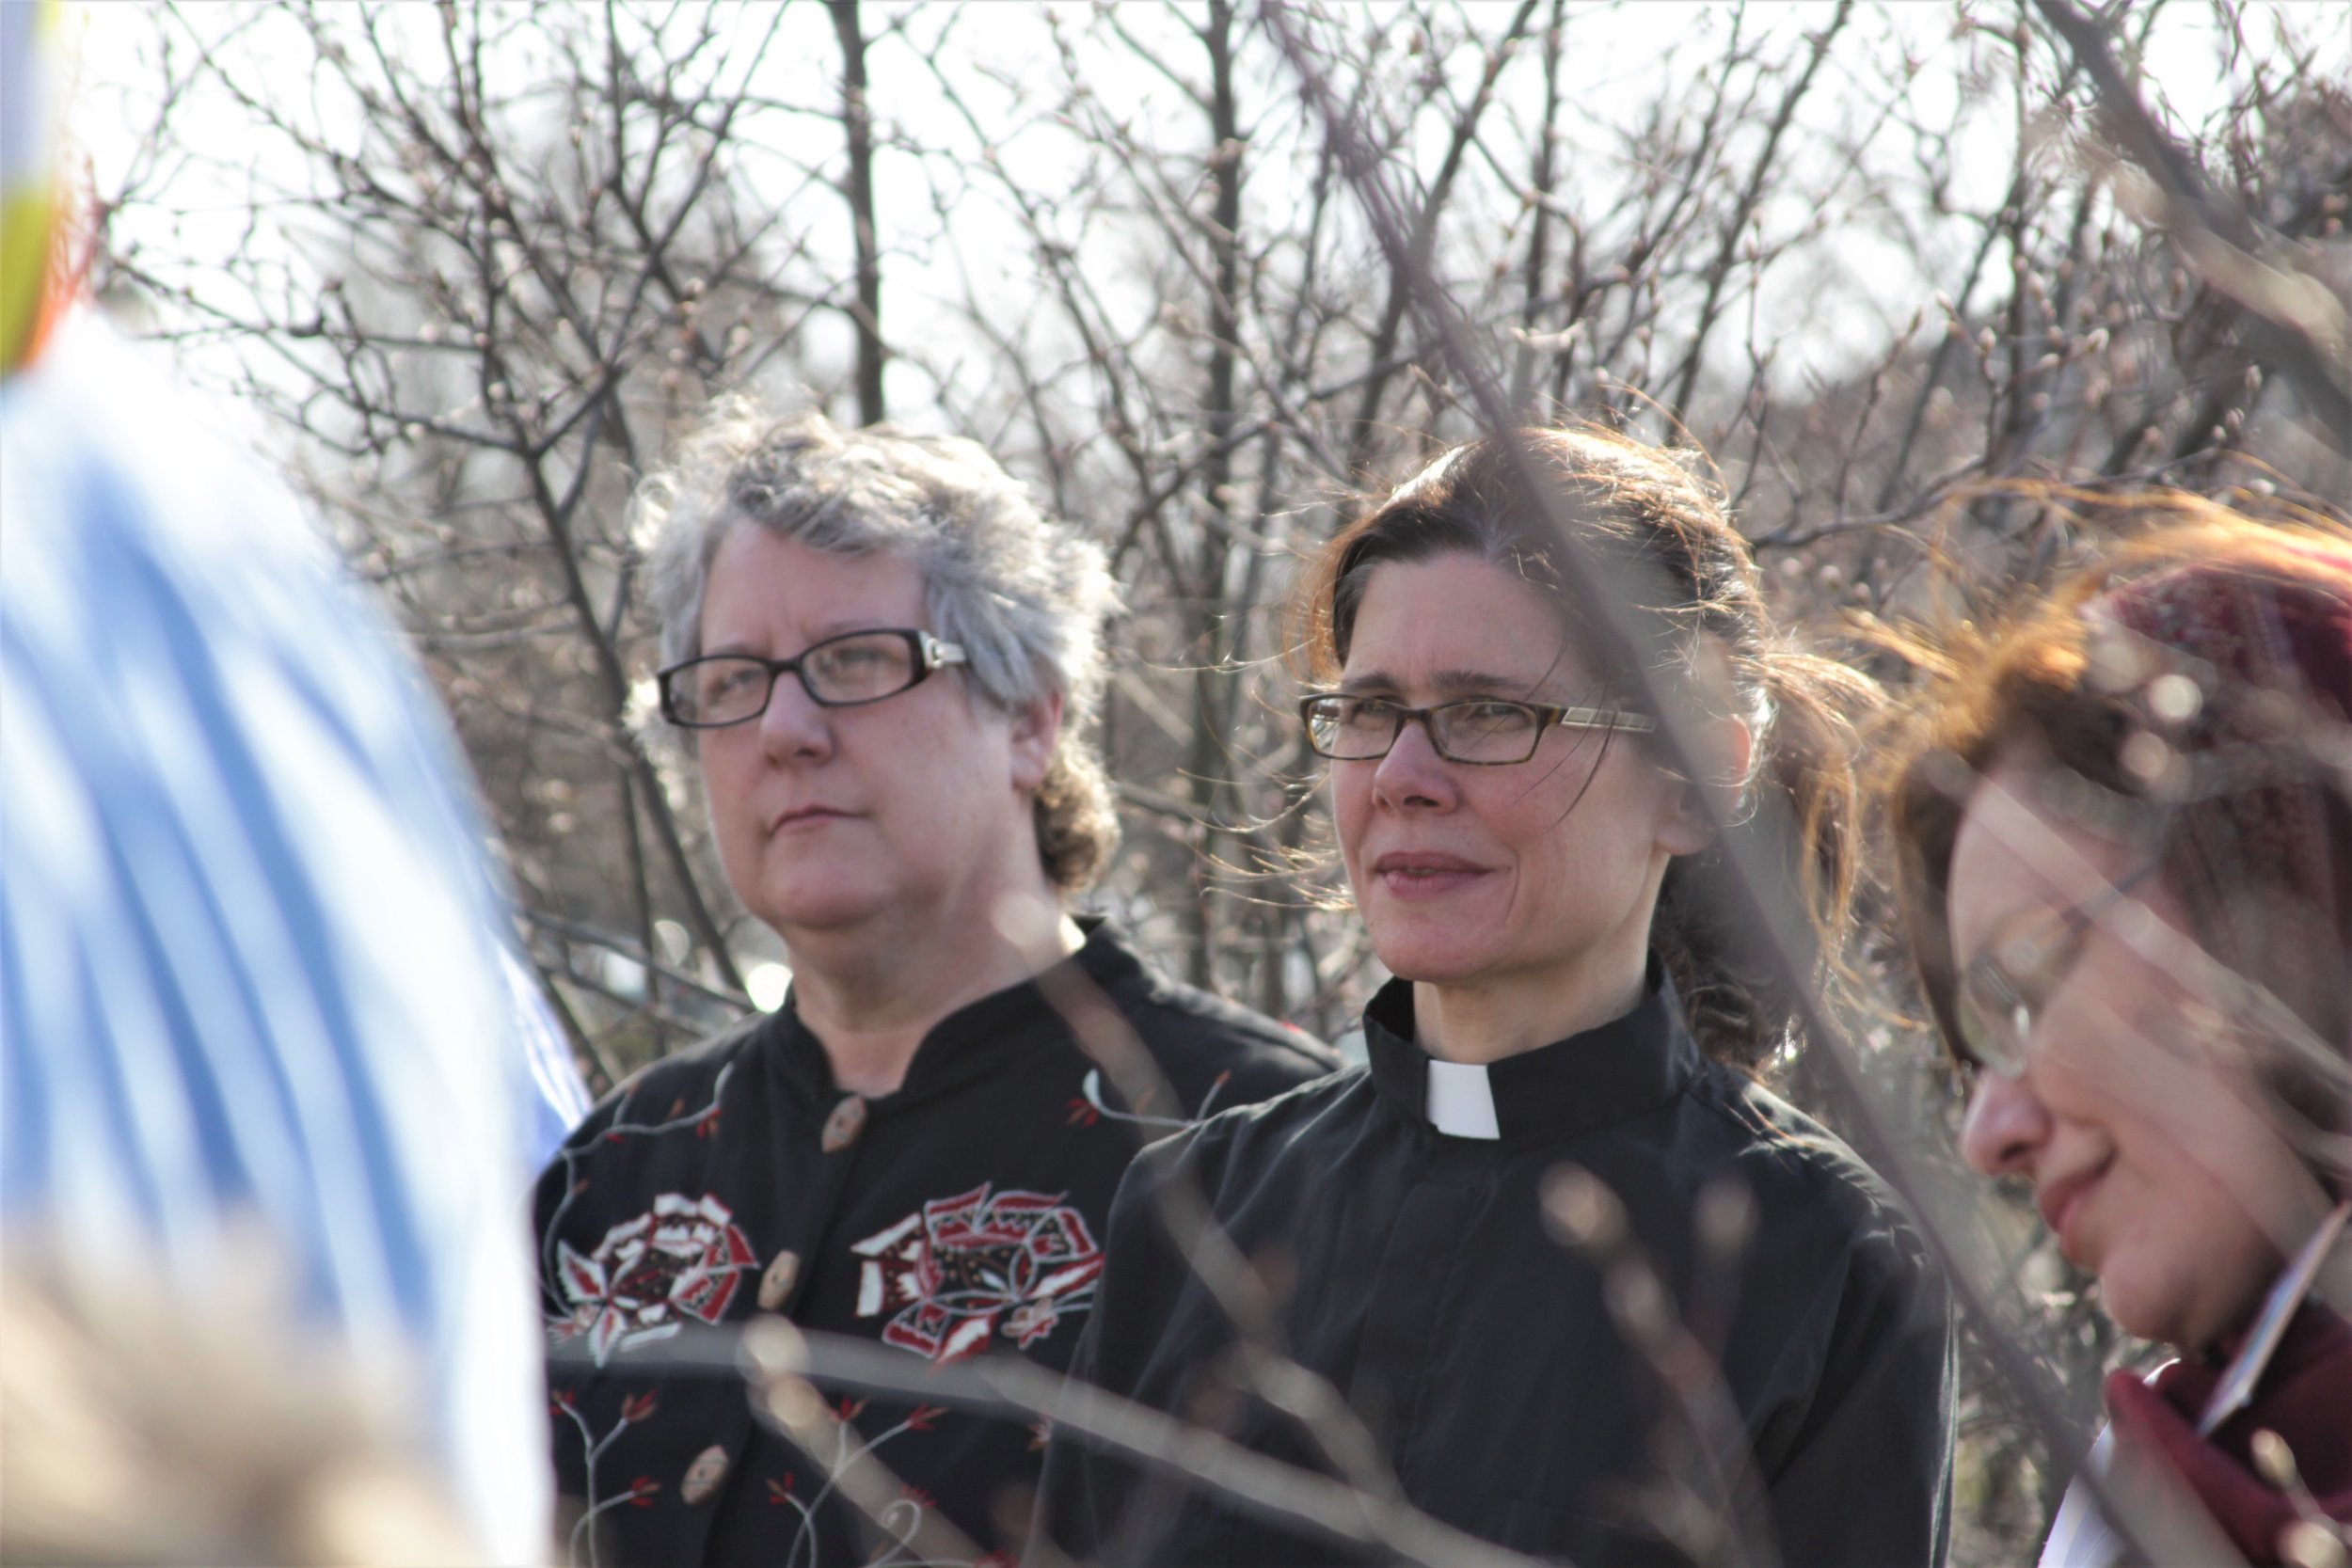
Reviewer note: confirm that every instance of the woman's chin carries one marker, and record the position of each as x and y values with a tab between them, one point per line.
817	907
1431	958
2176	1285
2165	1312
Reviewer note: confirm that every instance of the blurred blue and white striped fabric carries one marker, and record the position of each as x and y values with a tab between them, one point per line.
249	966
559	1101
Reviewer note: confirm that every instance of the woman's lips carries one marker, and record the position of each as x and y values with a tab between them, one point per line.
1410	875
2060	1203
804	818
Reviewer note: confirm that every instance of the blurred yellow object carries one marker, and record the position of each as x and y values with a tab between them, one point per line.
30	288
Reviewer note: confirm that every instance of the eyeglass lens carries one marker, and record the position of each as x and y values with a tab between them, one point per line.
2006	986
861	666
1995	1021
1359	729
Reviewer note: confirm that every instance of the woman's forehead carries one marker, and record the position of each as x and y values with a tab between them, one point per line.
1457	623
2013	853
760	579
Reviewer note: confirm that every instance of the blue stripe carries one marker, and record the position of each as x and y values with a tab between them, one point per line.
24	1089
223	805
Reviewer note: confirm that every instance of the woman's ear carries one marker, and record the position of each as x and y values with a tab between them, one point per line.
1725	748
1687	826
1036	731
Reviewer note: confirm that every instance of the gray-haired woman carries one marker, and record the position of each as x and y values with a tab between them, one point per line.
884	660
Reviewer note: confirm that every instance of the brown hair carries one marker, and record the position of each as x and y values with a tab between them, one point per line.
1661	535
2188	685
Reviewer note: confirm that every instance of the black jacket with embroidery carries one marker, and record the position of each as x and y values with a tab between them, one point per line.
1481	1352
960	1215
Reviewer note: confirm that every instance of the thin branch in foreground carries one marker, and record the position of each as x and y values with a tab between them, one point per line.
771	1353
2296	322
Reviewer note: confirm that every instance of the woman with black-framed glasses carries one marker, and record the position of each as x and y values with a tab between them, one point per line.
1561	1079
2123	834
880	659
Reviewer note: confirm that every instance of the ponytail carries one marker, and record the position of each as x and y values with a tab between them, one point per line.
1799	814
1648	518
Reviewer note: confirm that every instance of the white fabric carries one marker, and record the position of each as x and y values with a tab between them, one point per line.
1462	1101
2080	1536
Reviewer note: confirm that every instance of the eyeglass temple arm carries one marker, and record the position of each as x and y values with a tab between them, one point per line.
1605	718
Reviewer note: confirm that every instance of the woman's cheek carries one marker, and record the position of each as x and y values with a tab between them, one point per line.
1350	805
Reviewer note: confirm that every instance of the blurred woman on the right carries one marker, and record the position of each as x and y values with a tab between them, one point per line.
2124	828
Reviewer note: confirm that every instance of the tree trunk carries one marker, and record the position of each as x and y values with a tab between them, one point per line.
859	188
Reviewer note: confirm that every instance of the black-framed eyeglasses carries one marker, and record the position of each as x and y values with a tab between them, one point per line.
719	690
1483	732
2007	984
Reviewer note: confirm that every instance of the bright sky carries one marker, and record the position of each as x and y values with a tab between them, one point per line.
1617	59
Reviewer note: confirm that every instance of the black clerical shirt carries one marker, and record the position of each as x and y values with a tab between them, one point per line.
1404	1205
960	1215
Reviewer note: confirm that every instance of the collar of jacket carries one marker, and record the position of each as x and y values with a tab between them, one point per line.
977	1037
1590	1080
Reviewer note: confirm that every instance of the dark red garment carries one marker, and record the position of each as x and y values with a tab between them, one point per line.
2306	1398
2261	855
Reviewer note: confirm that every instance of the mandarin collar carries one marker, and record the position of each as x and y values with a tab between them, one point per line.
1590	1080
975	1038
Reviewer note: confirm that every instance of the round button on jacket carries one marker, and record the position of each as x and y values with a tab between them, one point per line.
842	1128
703	1475
775	1284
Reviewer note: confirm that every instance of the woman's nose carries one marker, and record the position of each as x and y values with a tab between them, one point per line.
1413	774
2006	1123
794	724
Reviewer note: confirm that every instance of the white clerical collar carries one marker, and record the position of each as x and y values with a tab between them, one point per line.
1462	1100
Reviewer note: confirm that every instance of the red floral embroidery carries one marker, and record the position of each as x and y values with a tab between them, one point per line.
649	1275
968	1267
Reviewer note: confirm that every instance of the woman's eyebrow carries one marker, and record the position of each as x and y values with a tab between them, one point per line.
1484	682
1473	682
824	631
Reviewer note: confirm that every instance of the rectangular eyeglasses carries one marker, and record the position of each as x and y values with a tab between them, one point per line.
1483	732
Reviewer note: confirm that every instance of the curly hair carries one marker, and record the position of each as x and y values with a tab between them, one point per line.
1026	596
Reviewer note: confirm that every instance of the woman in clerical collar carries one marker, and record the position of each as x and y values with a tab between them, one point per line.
1566	1056
2124	838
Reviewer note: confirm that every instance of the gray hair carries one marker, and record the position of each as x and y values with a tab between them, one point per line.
1024	596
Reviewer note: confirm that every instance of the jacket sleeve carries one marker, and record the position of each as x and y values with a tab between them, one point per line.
1087	1497
558	1206
1866	1478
